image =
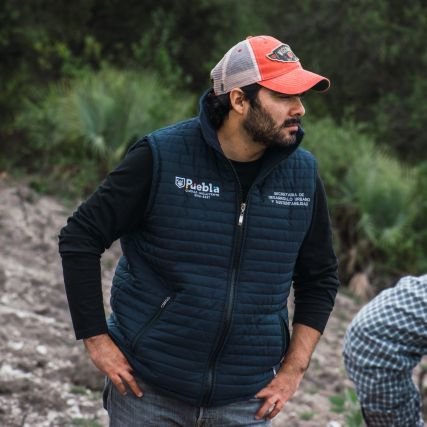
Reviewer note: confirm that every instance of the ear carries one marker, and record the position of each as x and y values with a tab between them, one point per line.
238	100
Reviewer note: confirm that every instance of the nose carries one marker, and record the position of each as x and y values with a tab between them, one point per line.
298	109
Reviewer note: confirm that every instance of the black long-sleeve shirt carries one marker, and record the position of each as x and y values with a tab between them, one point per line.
117	208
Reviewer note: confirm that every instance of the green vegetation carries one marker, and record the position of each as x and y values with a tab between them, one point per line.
346	403
84	422
306	415
376	201
78	389
80	129
81	81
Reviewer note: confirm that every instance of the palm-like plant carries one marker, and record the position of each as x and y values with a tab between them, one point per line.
78	130
111	109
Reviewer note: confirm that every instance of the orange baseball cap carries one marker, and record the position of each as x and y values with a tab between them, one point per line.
268	62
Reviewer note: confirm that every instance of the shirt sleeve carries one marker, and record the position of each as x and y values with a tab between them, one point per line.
116	208
315	275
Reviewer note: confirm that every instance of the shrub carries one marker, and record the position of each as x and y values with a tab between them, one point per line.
94	119
372	198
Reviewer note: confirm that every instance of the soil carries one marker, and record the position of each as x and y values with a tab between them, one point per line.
46	378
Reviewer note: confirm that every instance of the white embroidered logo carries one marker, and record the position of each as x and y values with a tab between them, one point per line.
289	199
201	190
179	182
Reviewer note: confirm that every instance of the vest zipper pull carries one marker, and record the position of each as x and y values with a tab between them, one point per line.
242	214
163	305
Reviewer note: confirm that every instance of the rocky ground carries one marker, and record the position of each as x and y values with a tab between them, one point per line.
45	376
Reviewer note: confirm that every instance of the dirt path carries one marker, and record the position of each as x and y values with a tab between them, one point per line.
45	376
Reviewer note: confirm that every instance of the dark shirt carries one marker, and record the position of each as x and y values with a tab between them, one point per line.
247	172
117	208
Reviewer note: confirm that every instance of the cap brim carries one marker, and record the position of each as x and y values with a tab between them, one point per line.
297	81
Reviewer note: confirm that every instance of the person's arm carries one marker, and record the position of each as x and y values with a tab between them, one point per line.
116	208
315	286
315	274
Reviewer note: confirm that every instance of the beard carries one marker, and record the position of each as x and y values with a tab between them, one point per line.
261	127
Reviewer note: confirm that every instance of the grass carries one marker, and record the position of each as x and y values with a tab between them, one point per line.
306	415
84	422
346	403
78	389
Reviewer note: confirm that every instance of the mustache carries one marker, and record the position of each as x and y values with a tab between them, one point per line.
292	122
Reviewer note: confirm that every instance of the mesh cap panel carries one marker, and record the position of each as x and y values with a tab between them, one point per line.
237	68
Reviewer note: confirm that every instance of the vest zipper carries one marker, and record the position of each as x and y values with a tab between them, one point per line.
230	302
145	328
206	397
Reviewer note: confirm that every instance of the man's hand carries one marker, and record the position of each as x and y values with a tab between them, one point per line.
285	384
108	358
277	393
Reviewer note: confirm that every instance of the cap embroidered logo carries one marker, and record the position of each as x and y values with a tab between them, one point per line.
283	53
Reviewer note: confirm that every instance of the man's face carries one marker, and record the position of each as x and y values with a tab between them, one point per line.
274	118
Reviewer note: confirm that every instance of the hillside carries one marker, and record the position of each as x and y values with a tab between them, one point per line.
46	378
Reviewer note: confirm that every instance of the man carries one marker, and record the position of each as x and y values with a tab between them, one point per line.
383	344
217	216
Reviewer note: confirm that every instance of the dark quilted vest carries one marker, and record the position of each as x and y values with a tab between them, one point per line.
199	301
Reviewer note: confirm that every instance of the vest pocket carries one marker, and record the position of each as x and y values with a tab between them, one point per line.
147	326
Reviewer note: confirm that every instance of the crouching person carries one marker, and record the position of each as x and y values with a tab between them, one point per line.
383	344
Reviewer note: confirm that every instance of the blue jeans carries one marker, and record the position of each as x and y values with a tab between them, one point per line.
157	410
